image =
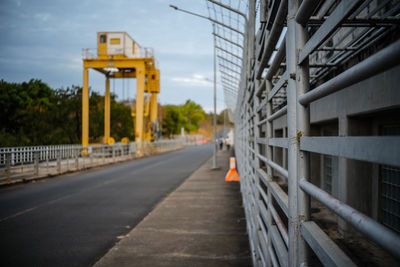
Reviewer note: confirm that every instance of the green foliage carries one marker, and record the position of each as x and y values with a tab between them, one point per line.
185	116
34	114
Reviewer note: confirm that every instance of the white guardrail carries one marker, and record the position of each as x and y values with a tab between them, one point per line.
34	161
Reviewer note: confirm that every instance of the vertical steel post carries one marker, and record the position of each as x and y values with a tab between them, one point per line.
107	111
153	107
36	162
303	129
58	160
85	108
214	164
140	80
8	165
293	147
269	169
76	159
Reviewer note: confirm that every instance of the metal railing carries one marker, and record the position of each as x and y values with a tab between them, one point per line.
92	53
31	162
305	51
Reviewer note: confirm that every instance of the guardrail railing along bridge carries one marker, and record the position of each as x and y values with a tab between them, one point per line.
303	53
18	163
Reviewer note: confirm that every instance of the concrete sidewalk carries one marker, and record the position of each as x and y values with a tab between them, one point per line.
201	223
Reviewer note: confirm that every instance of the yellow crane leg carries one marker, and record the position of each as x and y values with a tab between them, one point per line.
153	107
85	108
140	81
107	112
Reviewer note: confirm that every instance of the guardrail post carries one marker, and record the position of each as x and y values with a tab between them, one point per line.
8	165
76	159
36	162
58	160
113	153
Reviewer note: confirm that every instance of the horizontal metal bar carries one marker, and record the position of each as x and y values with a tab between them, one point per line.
262	141
232	70
228	52
273	165
328	27
273	37
278	168
261	88
336	49
278	142
378	22
262	104
279	246
264	241
278	114
378	233
230	75
262	122
279	195
279	223
282	81
229	8
227	40
326	250
226	26
229	61
378	149
305	11
276	217
273	257
276	62
379	62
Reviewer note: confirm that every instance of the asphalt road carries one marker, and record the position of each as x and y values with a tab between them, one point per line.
73	220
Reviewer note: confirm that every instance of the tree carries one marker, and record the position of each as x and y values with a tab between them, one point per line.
194	114
174	120
34	114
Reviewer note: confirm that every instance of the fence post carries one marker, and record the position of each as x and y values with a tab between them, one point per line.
8	165
76	159
113	153
36	162
58	161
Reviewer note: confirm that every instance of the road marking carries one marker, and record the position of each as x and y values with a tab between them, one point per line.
18	213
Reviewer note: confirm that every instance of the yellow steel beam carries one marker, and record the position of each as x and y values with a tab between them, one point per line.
140	81
153	108
85	108
115	63
120	74
107	112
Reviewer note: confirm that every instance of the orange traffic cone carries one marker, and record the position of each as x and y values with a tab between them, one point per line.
232	175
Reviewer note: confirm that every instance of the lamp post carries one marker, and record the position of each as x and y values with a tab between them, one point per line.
214	162
215	35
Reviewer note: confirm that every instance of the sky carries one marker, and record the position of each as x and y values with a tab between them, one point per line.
43	39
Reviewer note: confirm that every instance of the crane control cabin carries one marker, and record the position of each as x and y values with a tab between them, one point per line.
118	56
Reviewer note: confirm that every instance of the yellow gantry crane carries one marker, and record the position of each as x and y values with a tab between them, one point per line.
119	56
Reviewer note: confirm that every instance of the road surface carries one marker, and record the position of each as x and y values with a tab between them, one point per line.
73	220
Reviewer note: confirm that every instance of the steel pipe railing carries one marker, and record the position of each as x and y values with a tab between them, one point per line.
274	161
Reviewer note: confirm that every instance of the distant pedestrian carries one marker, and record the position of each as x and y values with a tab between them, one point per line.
228	145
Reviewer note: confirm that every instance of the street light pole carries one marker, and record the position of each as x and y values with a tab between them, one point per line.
214	166
214	162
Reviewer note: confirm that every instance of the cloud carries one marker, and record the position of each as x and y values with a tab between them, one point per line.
42	16
195	80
